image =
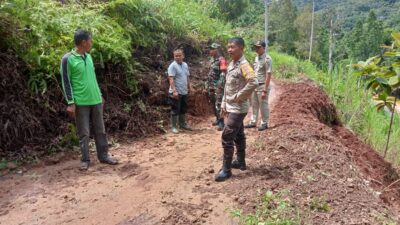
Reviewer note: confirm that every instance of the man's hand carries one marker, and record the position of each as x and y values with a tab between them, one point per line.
190	90
175	94
71	111
264	95
223	113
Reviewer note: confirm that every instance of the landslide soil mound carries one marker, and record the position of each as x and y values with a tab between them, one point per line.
308	155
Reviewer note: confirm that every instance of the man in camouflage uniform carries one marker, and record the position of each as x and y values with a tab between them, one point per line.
259	99
240	83
216	82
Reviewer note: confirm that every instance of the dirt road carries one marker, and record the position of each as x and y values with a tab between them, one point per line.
164	179
169	179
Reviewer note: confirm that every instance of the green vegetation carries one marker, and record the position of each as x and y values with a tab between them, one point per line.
41	32
274	209
381	74
319	204
352	11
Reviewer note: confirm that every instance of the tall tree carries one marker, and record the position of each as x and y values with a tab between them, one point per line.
366	38
232	9
303	24
355	42
282	29
373	35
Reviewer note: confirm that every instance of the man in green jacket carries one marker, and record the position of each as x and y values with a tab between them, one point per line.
84	99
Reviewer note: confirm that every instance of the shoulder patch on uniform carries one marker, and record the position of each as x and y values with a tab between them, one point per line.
247	71
223	64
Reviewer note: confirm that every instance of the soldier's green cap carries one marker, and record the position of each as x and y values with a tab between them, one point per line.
214	46
260	44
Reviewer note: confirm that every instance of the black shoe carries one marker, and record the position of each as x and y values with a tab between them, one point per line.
239	165
215	123
186	127
84	165
109	161
182	123
263	127
250	126
223	175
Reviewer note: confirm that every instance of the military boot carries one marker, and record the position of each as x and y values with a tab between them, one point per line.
225	172
220	124
174	124
239	162
182	123
215	123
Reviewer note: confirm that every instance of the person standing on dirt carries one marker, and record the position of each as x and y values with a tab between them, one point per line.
216	82
85	102
240	83
259	99
178	76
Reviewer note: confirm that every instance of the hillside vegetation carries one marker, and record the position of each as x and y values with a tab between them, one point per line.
133	40
352	11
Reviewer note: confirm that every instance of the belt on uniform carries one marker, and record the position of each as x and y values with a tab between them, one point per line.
260	83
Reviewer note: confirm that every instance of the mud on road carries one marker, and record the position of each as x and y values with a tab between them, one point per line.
168	179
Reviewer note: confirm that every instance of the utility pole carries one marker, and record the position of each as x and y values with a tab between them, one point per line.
330	63
266	2
312	30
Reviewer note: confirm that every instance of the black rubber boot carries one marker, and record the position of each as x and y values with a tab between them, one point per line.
225	172
182	123
215	123
174	124
239	162
220	124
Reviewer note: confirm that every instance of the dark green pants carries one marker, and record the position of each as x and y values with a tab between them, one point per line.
84	116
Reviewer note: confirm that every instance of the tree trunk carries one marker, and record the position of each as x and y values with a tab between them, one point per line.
266	2
390	126
312	31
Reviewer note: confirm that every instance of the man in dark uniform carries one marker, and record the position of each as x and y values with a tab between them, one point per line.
240	83
216	82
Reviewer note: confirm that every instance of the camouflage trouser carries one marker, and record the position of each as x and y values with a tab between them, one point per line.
218	102
216	99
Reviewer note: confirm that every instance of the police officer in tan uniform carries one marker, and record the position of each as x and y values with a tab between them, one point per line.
239	84
259	99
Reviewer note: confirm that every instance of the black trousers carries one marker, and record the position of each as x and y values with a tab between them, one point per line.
233	135
179	105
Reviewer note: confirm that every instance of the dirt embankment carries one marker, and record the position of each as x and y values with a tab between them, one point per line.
33	125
